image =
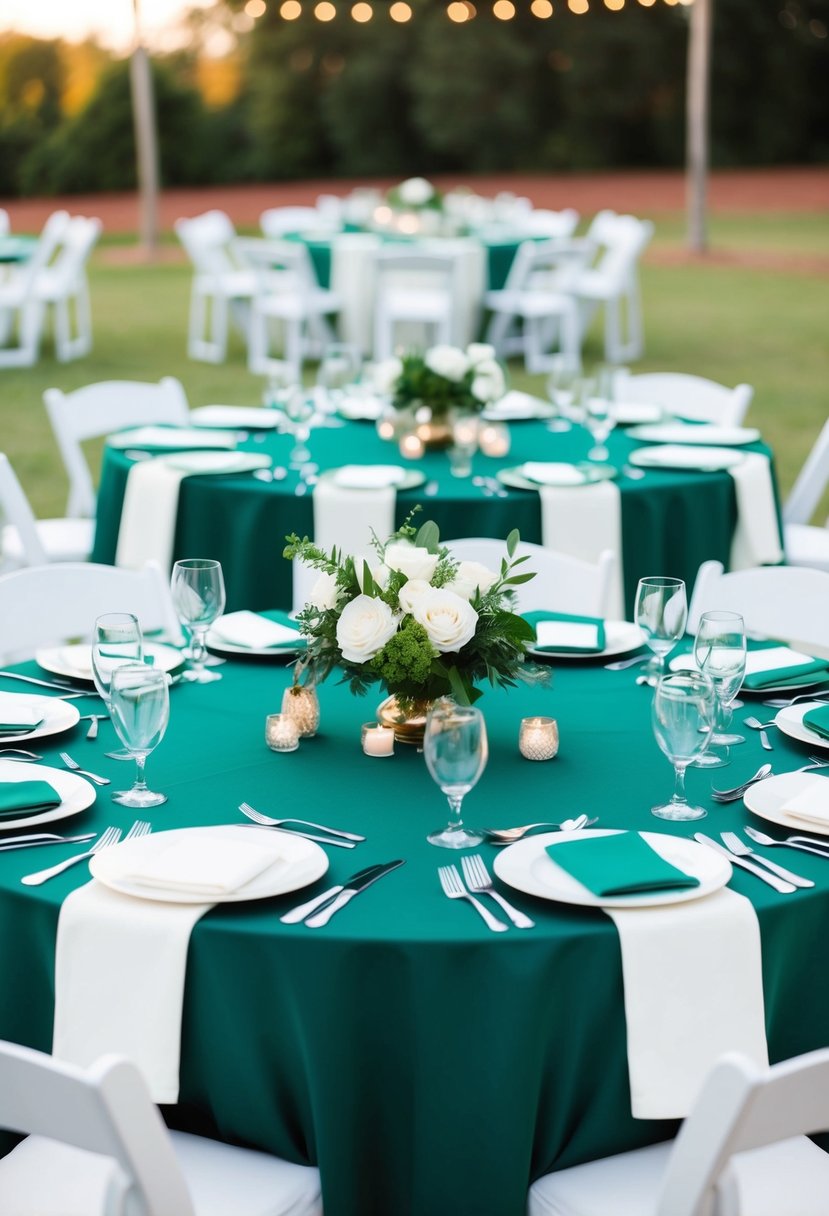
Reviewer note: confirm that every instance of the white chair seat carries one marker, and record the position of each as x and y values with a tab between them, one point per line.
417	304
63	540
46	1178
530	303
806	546
296	307
235	284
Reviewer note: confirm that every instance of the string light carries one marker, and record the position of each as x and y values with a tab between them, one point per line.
614	5
255	8
647	3
290	10
457	12
400	11
362	12
325	11
578	6
504	10
541	8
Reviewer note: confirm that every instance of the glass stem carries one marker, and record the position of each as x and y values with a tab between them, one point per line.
679	798
140	782
455	822
198	649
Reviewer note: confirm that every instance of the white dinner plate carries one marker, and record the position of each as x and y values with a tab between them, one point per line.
766	799
681	432
632	413
676	456
76	794
686	662
235	417
408	480
574	475
57	716
527	867
76	661
360	408
218	462
621	637
161	438
222	646
790	721
518	407
299	862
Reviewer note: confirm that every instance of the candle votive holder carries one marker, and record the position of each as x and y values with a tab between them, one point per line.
377	740
301	703
281	733
538	738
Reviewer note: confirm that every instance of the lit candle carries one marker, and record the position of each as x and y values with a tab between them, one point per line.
465	432
281	733
412	447
385	428
538	738
494	439
377	740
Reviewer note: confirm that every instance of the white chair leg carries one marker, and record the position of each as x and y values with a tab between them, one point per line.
198	318
83	320
497	331
218	348
613	348
63	334
257	341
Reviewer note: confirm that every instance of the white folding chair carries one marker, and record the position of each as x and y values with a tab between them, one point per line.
97	1145
5	223
807	545
415	288
27	541
743	1151
21	313
561	584
277	221
542	222
46	605
692	397
99	409
64	285
789	603
222	289
530	313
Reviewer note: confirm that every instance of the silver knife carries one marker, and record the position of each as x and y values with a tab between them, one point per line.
22	843
322	918
13	675
785	888
299	913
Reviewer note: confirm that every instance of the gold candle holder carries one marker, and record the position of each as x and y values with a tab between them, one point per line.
538	738
301	703
281	733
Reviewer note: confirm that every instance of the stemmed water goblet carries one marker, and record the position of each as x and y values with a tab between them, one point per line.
198	590
140	708
683	713
562	384
661	612
455	748
117	640
339	367
720	652
600	412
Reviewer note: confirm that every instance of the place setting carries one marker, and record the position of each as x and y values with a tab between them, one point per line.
570	636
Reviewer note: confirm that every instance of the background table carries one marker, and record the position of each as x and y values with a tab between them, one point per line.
671	521
428	1066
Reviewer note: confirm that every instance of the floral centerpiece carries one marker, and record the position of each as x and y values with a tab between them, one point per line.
418	622
414	194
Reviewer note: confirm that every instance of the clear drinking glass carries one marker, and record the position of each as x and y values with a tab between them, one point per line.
684	710
117	640
282	383
661	612
299	411
561	389
339	367
456	751
600	415
720	651
140	707
199	597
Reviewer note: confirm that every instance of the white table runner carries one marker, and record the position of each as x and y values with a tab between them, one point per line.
582	521
756	540
345	517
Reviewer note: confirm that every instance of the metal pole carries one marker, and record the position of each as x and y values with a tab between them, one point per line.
146	141
697	110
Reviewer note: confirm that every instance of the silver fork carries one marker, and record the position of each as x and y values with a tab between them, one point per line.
19	751
740	849
785	702
109	837
623	664
83	772
266	821
453	888
478	879
806	844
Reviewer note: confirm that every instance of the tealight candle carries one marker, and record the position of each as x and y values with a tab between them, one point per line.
281	733
377	740
465	432
538	738
494	439
412	447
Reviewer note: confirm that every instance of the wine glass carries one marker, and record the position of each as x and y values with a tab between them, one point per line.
456	751
600	413
140	707
561	389
299	411
282	383
339	367
199	597
683	713
661	613
720	651
117	640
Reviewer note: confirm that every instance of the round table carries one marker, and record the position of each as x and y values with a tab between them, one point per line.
671	521
428	1066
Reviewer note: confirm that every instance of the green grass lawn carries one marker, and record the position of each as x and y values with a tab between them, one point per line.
728	321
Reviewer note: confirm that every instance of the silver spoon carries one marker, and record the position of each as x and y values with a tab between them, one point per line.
762	772
510	835
756	724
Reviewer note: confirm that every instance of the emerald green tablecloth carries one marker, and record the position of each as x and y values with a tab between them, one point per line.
428	1067
671	521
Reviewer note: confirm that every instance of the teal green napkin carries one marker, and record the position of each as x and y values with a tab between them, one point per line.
619	864
19	728
818	721
535	618
780	677
19	798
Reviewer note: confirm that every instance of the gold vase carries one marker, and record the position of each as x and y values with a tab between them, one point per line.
434	435
406	717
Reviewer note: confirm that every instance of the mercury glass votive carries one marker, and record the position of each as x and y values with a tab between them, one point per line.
377	740
494	439
538	738
412	447
281	733
301	703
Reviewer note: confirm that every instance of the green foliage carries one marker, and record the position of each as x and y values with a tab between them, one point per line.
406	659
417	383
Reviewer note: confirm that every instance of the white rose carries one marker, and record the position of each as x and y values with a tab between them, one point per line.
447	361
410	560
385	376
449	620
380	573
364	627
488	383
480	352
415	191
471	577
411	592
324	592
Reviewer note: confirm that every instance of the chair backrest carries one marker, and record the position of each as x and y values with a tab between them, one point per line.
624	237
740	1108
693	397
790	603
401	268
561	584
104	1109
99	409
280	266
543	222
207	239
16	510
276	221
49	242
58	602
5	223
811	482
78	241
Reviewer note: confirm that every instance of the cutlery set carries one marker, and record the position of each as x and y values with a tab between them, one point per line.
318	911
111	836
343	840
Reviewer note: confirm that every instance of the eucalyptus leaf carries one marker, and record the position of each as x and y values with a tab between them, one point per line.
428	536
512	541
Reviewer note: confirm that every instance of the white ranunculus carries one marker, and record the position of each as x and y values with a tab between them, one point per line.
364	627
324	592
488	383
471	577
415	191
449	619
385	376
411	592
410	560
447	361
479	352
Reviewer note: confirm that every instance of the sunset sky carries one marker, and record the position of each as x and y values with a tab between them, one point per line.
111	21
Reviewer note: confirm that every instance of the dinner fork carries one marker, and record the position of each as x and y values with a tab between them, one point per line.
83	772
109	837
19	751
478	879
740	849
623	664
807	844
785	702
453	888
266	821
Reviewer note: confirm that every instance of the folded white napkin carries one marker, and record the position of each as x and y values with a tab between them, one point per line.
566	634
774	658
346	517
203	866
628	412
553	473
253	417
756	540
517	405
245	628
78	659
693	990
369	476
811	804
14	707
172	437
582	521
